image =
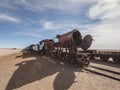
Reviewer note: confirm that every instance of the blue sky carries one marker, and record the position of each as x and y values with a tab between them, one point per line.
25	22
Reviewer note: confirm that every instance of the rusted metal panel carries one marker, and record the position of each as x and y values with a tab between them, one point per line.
72	38
48	44
86	42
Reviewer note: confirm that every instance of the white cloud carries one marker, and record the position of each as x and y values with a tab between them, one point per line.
8	18
48	25
106	33
28	34
59	26
63	5
105	9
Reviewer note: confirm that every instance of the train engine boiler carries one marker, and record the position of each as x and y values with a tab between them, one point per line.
68	45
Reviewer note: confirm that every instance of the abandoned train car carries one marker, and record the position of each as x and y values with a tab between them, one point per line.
66	48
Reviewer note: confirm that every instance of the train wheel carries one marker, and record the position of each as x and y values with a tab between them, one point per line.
92	58
104	58
62	56
116	60
86	62
80	64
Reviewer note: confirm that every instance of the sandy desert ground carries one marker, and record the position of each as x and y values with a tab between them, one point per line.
26	71
8	51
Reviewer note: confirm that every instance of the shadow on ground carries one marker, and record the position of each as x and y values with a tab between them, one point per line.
39	68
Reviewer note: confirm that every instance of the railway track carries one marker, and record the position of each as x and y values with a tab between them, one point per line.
115	75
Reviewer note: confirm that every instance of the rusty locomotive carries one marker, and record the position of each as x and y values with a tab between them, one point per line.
66	48
73	48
